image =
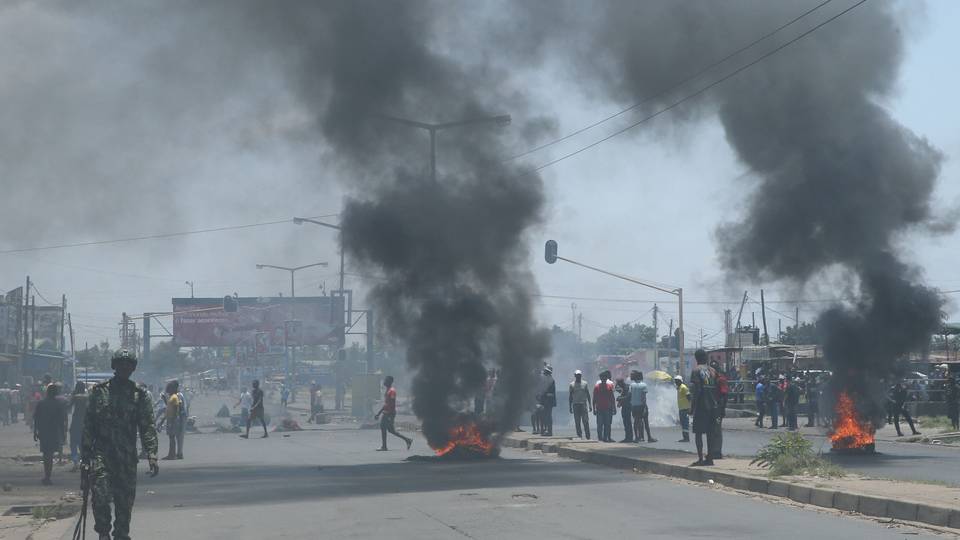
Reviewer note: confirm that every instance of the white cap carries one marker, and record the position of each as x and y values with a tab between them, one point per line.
678	378
578	372
781	377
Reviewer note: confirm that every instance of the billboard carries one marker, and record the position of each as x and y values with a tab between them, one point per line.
46	327
263	323
11	321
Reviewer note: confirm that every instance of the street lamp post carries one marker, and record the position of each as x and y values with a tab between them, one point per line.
190	283
432	129
550	254
301	221
291	270
291	352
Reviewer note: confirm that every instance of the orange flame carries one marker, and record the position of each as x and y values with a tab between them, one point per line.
849	429
467	437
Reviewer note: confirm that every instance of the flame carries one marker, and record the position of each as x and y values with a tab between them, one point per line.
849	430
469	437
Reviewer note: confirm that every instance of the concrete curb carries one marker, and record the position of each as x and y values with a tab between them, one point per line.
894	508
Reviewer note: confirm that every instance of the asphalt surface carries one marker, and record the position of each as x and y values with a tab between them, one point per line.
332	484
901	461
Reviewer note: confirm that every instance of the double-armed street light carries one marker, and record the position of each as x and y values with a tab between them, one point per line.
291	270
432	129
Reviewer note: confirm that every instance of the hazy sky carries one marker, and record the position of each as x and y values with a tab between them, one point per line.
645	204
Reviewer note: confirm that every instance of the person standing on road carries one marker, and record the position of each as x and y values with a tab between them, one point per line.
245	402
953	402
389	415
548	400
604	406
284	395
705	402
579	397
16	402
79	403
638	407
4	404
256	411
759	400
116	411
771	399
900	408
175	420
791	400
813	401
683	407
623	401
49	428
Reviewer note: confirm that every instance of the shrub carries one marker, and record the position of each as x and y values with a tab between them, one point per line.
791	454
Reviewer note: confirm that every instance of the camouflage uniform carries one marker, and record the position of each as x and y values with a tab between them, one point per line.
116	410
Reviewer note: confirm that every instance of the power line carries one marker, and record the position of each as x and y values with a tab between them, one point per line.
699	92
42	297
674	86
153	236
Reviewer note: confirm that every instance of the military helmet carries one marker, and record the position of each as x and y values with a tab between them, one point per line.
123	355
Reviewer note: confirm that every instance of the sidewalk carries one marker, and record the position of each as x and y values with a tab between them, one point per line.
886	433
928	503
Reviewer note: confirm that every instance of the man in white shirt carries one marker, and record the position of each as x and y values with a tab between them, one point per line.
638	406
245	402
580	404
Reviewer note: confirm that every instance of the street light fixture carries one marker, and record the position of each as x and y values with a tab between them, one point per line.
301	221
551	256
190	283
499	120
292	271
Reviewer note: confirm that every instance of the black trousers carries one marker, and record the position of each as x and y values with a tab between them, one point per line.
813	408
901	409
761	410
627	423
581	416
791	414
546	420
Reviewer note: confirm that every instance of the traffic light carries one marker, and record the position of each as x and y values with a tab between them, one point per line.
230	304
550	251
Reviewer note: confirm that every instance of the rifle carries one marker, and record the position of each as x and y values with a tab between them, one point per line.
86	473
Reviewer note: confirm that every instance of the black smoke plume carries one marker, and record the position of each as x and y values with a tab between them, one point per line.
838	179
456	291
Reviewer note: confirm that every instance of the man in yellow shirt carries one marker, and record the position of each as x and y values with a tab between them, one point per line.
683	405
174	420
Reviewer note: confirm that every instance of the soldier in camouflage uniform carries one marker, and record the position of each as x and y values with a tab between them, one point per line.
116	410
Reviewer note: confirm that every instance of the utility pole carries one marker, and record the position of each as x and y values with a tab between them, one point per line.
580	328
763	315
779	330
145	357
701	338
33	322
573	315
371	361
63	321
190	284
656	340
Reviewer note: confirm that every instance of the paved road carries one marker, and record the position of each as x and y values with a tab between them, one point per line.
331	484
903	461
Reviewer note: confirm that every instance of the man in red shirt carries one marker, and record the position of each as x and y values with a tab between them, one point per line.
604	406
389	413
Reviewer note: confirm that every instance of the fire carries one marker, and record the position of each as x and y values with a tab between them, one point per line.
850	431
467	437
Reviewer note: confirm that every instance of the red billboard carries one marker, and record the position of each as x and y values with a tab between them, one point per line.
263	323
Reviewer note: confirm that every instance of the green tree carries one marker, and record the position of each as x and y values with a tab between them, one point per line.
625	339
806	334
